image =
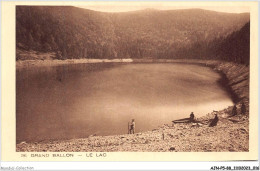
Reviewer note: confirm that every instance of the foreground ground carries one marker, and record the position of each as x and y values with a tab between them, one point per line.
226	136
230	134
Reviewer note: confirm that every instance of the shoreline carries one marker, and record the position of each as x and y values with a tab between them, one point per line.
231	134
25	64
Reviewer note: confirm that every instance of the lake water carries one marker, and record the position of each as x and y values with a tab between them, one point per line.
78	100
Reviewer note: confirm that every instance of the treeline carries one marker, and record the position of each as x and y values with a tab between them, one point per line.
73	32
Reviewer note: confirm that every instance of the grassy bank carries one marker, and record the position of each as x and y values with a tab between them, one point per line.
230	134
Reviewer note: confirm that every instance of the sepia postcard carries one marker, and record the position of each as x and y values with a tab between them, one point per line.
129	81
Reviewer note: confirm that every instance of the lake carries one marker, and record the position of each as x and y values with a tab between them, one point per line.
78	100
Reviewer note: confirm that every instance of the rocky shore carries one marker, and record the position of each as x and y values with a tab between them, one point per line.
230	134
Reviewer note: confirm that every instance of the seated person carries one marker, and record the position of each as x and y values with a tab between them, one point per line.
192	117
214	121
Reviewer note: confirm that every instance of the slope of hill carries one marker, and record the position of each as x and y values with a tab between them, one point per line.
234	47
72	32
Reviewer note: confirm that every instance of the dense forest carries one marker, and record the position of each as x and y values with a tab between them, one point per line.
234	47
72	32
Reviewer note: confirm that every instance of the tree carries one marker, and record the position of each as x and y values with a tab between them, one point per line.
30	42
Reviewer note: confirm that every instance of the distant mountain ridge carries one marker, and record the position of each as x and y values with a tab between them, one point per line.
73	32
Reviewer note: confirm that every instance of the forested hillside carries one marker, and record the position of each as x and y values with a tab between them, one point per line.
234	47
72	32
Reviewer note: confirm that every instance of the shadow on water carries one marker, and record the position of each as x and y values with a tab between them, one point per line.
224	84
59	72
222	81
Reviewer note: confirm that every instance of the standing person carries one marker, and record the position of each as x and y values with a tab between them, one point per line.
132	129
243	108
234	110
192	117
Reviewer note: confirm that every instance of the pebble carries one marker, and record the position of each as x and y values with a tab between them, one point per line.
171	149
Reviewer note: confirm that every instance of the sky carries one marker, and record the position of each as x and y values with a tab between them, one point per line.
133	7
